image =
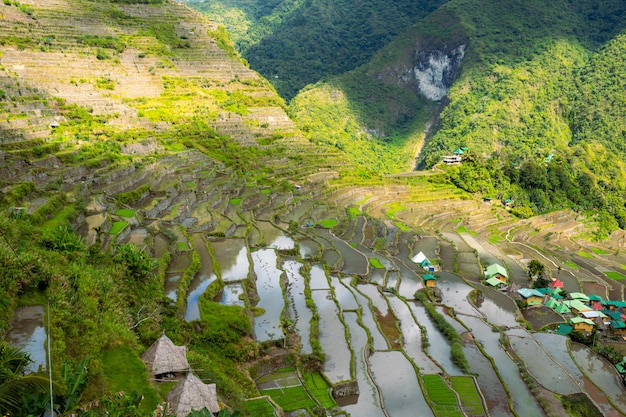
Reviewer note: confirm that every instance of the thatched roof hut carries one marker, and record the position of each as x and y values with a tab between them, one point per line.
164	357
192	394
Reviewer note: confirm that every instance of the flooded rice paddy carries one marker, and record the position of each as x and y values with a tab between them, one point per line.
28	333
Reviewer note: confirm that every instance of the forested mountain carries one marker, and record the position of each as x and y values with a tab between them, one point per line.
298	42
515	85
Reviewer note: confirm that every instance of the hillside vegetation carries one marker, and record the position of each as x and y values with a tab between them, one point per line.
294	43
526	91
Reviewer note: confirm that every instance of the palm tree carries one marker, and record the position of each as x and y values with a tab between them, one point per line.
15	385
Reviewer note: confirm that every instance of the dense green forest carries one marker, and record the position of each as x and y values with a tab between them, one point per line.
527	91
296	42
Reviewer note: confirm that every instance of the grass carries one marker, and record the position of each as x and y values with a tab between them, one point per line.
182	246
395	208
461	229
328	223
444	399
584	254
118	227
599	251
402	226
571	264
470	399
235	201
126	213
353	212
267	191
260	407
291	398
615	275
376	263
124	371
318	388
495	239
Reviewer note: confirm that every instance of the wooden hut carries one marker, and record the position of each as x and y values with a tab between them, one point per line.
192	394
165	359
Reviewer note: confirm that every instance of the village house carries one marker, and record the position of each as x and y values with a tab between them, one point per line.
164	359
430	280
582	324
530	297
576	306
497	271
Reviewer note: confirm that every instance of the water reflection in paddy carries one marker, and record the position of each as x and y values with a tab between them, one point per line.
318	280
379	342
454	292
343	295
275	238
308	248
377	276
601	373
490	385
300	312
27	332
201	280
171	285
439	347
353	261
540	365
331	337
232	255
267	325
498	308
378	301
412	337
524	402
397	380
232	295
368	401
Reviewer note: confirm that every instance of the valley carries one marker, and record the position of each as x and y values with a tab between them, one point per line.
152	183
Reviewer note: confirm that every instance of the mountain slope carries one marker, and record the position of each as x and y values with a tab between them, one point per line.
300	42
500	81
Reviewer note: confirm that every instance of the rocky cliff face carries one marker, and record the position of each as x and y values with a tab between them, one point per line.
429	71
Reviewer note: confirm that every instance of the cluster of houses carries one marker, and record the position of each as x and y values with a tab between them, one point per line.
585	313
167	362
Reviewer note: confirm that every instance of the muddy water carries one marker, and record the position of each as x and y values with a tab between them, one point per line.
89	230
401	391
540	364
232	255
300	312
379	342
28	333
232	295
331	257
267	326
378	301
602	373
524	402
412	337
331	337
439	348
138	236
308	248
201	280
318	280
368	401
358	231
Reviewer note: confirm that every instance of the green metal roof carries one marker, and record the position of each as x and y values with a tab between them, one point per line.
564	329
429	277
494	269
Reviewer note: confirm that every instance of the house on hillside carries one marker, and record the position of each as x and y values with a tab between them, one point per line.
530	297
577	306
164	359
497	271
496	283
430	280
557	283
192	394
579	296
582	324
423	261
452	159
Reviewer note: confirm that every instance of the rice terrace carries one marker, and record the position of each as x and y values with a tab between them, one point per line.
171	230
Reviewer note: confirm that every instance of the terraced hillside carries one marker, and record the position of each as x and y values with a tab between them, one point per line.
152	182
